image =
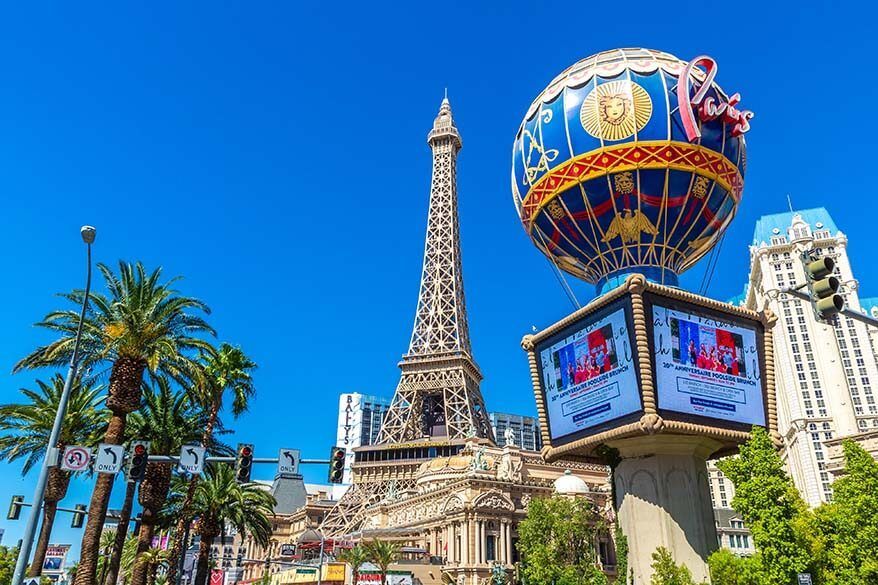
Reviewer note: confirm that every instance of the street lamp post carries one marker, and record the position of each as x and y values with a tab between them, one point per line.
51	458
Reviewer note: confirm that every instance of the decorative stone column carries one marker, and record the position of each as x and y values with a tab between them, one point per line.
663	498
479	544
509	543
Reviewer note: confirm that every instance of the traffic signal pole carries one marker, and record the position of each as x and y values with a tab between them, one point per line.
797	293
210	459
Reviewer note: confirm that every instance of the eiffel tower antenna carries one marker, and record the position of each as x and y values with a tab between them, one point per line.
438	394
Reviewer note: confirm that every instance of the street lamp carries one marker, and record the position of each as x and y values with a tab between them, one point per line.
51	459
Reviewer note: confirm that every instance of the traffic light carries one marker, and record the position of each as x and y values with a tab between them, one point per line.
78	516
822	286
244	462
137	460
336	465
15	508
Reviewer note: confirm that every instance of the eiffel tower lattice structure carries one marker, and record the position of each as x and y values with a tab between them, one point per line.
437	405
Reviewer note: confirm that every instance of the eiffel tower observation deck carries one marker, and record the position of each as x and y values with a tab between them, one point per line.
437	406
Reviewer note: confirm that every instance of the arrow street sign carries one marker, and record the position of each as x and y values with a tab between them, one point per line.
192	459
109	458
75	458
288	461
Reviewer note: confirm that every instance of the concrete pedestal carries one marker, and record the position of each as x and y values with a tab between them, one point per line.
663	498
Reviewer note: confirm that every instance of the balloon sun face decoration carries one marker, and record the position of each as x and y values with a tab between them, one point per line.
630	161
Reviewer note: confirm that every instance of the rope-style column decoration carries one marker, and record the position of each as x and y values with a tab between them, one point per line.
527	344
769	319
650	422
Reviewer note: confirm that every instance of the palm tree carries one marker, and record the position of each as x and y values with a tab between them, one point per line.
26	428
220	500
142	324
105	547
168	420
356	557
148	562
112	561
129	556
383	554
227	370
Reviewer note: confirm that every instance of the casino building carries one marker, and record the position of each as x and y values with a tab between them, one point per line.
438	479
433	469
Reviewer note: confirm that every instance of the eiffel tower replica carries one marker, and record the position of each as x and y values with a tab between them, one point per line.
437	406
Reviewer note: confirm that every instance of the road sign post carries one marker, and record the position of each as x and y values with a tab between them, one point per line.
288	461
109	458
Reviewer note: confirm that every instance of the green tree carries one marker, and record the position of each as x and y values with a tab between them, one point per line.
25	429
218	501
383	554
168	420
142	324
847	529
226	371
557	542
772	507
356	557
8	556
726	568
667	572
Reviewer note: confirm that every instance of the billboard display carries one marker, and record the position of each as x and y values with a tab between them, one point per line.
707	365
54	563
588	374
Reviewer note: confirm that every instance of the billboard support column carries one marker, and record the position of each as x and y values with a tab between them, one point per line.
663	500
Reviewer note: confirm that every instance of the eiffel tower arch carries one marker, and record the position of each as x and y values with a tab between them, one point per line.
437	405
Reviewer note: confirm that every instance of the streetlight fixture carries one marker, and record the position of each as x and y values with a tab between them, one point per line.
88	234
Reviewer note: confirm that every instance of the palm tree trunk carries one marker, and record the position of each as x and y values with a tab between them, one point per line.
121	535
183	520
204	559
56	489
180	532
141	572
97	508
36	566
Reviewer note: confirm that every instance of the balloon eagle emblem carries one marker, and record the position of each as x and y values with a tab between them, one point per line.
631	160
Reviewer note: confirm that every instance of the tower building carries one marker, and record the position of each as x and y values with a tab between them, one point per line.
438	394
436	481
826	372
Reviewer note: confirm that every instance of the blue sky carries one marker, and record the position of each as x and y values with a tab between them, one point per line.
274	154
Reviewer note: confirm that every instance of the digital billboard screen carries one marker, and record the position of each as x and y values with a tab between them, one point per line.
588	374
707	365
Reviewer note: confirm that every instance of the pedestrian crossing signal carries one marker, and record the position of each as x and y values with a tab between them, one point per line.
336	465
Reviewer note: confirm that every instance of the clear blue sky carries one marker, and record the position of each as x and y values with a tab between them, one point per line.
274	154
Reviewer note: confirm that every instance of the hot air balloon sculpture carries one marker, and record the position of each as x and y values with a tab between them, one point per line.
630	161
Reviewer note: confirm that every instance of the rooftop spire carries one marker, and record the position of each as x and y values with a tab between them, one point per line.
443	125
